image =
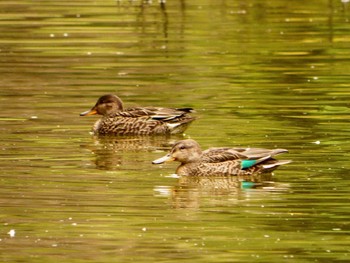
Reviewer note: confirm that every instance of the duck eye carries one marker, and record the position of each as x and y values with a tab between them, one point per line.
182	147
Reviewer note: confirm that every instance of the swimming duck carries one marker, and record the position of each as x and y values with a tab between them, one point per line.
138	120
221	161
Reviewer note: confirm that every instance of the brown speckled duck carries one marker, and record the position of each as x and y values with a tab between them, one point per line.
138	120
221	161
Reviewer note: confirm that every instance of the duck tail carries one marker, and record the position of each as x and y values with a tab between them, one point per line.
189	110
181	125
275	164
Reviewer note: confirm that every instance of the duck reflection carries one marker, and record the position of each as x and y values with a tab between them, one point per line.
190	191
113	152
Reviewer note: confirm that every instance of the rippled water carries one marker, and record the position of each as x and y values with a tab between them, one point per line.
259	73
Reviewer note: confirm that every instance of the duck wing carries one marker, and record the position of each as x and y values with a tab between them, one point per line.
217	155
257	153
156	113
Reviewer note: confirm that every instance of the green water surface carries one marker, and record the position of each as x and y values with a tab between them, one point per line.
271	74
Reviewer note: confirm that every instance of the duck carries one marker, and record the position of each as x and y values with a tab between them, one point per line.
116	120
224	161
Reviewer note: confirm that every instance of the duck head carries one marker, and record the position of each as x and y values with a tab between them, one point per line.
185	151
105	105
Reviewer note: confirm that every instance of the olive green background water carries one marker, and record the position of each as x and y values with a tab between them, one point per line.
259	73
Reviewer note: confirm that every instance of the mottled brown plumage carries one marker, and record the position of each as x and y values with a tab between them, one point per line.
138	120
221	161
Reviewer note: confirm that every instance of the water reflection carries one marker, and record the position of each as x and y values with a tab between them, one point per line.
195	191
111	153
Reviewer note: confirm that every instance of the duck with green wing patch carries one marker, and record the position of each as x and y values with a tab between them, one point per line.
221	161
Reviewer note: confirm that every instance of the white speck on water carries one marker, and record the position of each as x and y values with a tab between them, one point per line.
33	117
315	78
89	53
144	229
266	236
74	224
12	233
336	229
54	245
65	34
163	190
52	35
316	142
172	176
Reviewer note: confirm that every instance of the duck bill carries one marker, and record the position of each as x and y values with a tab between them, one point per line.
166	158
89	112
